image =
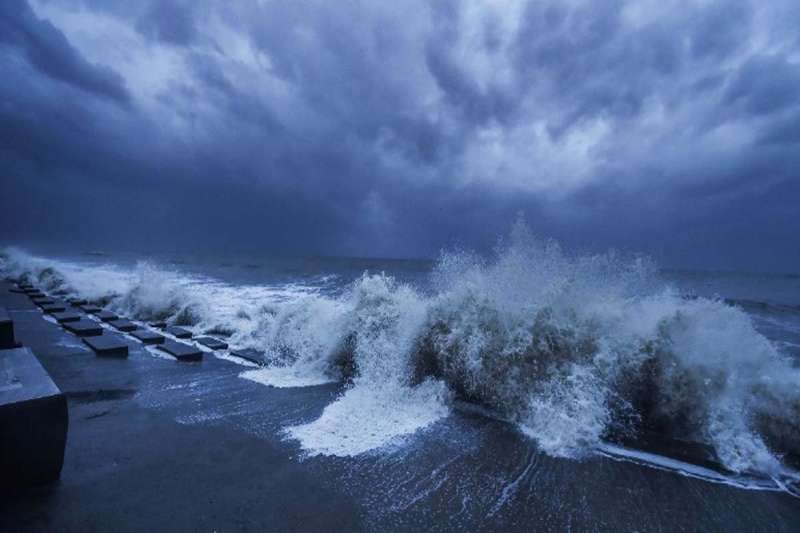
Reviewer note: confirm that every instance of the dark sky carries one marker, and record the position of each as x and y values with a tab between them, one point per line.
396	128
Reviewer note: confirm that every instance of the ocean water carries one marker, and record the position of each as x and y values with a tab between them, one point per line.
583	355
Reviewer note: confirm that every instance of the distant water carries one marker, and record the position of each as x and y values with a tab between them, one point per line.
577	351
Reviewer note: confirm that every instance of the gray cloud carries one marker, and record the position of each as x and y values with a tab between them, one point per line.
311	127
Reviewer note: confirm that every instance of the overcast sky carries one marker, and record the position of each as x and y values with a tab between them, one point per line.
396	128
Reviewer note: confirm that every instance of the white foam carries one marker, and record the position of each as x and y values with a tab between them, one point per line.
285	377
365	419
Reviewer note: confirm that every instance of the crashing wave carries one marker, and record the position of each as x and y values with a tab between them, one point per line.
576	350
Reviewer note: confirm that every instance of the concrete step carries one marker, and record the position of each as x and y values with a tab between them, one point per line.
211	342
67	316
84	328
55	307
123	324
33	422
106	316
148	337
6	330
249	354
181	351
107	345
179	332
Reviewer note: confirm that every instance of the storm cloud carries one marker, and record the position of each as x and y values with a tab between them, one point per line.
397	128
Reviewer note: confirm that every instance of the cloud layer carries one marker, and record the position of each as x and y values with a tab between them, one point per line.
372	128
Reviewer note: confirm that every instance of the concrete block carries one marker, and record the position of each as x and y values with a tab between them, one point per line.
158	324
55	307
181	351
89	308
148	337
43	300
67	316
249	354
123	324
179	332
214	344
6	331
36	294
16	290
107	345
32	290
84	328
77	302
106	316
33	422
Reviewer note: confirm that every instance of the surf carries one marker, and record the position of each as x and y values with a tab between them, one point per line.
580	352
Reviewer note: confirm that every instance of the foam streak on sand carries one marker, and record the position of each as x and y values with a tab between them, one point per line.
573	349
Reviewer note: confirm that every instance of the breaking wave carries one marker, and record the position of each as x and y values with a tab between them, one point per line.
575	350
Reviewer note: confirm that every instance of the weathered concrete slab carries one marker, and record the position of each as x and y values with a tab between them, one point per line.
55	307
84	328
77	302
6	331
211	342
106	316
181	351
158	324
33	422
107	345
147	336
89	308
67	316
179	332
249	354
123	324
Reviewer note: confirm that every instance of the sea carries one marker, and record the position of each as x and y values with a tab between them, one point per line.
497	384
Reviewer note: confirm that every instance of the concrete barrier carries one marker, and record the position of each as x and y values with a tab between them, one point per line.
67	316
107	345
249	354
123	324
33	422
106	316
148	337
84	328
55	307
179	332
6	331
181	351
211	342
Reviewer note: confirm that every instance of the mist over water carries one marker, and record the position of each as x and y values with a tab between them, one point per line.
574	350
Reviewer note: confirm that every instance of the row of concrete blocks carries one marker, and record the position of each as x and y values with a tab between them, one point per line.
33	416
91	332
